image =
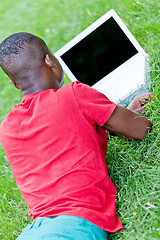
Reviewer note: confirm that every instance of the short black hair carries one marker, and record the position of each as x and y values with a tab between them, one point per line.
12	47
15	43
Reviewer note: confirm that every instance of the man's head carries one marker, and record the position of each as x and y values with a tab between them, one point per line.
28	62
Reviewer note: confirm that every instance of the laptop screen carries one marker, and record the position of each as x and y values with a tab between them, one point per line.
99	53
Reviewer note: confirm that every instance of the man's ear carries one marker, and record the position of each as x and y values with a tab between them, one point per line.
49	63
14	84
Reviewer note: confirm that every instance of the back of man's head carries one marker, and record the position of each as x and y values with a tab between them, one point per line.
21	54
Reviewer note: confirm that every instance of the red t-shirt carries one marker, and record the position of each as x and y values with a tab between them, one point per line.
56	149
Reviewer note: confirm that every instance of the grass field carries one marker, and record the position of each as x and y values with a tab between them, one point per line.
133	165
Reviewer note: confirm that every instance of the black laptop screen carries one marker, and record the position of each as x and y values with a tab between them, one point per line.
99	53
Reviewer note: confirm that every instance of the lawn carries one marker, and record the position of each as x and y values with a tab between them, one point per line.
133	165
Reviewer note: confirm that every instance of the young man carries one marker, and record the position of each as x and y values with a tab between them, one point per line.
56	141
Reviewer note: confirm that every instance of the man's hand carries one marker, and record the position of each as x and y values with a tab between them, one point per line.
139	103
129	122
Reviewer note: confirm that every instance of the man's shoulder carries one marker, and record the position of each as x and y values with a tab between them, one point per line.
75	86
79	88
69	88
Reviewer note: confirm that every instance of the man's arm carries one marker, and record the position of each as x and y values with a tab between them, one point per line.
128	122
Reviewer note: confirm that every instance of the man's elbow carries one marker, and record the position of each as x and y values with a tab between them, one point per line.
144	130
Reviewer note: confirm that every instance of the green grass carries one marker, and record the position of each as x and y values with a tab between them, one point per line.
133	165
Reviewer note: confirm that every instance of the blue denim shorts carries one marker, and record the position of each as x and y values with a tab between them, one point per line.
63	228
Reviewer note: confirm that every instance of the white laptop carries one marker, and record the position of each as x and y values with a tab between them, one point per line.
107	57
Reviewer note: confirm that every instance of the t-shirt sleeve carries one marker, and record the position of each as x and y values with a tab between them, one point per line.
95	106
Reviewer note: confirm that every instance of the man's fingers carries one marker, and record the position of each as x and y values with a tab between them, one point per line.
140	109
147	95
145	98
140	102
